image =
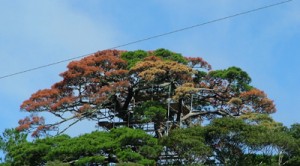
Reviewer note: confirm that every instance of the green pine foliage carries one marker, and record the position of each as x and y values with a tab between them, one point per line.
120	145
251	139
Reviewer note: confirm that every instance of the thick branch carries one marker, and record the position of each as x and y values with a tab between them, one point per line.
202	113
128	98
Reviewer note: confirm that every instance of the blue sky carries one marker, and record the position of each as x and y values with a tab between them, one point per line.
266	43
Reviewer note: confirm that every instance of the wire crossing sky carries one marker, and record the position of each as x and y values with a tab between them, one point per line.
152	37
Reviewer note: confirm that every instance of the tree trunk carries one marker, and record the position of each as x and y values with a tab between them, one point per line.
179	111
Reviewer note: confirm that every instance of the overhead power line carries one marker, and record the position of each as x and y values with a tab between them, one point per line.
151	37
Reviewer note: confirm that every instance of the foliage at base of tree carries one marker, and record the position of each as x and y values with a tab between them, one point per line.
120	145
253	139
235	141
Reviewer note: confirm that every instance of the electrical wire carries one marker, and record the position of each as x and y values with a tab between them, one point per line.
151	37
